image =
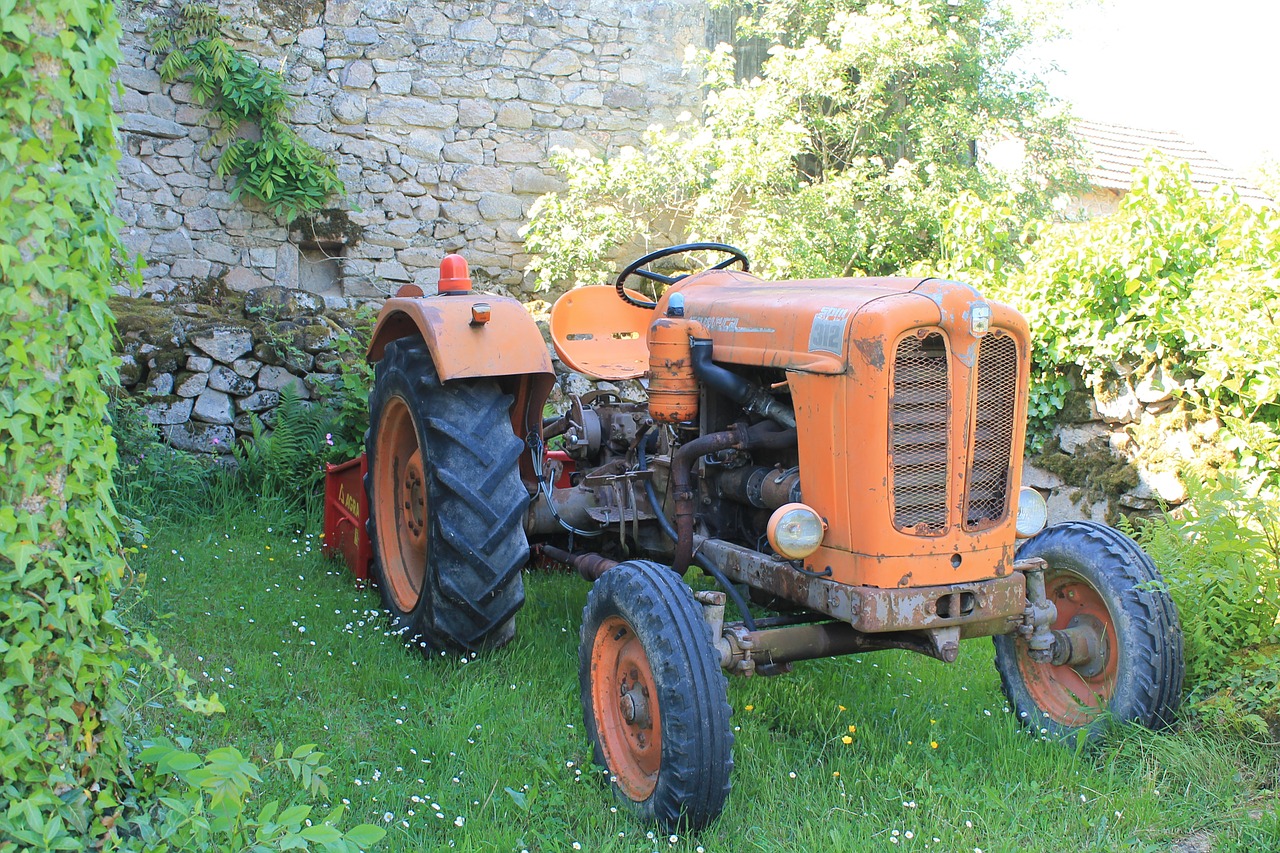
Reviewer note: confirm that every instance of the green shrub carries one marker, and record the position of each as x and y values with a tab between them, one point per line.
1221	561
210	812
284	465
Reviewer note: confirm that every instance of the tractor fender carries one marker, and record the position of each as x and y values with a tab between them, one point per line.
507	347
462	346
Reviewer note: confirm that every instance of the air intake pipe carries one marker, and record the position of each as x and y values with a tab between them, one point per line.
750	396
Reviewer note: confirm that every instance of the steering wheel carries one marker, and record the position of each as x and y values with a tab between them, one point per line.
637	267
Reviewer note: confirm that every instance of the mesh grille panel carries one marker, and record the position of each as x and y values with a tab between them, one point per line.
918	435
989	465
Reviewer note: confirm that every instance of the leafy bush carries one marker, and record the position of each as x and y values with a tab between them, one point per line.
1221	560
210	812
284	465
153	480
287	174
842	158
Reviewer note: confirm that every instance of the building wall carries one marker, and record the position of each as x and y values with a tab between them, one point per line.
440	117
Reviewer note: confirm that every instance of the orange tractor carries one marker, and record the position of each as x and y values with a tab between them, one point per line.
843	453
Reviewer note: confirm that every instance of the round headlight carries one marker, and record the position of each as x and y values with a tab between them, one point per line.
1033	513
795	531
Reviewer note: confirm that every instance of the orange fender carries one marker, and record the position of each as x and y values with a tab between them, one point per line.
506	346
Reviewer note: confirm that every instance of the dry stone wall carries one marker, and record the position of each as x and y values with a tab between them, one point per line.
440	116
1120	448
202	371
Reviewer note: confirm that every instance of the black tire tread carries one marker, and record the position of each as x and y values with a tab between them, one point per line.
1156	631
697	754
476	498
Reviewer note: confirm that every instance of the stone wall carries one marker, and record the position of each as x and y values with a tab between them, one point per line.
202	369
1119	450
440	117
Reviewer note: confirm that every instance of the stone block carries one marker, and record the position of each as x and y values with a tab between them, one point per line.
168	410
246	367
469	151
412	112
129	370
360	35
348	108
151	125
539	91
190	268
519	152
398	83
483	179
199	363
534	180
476	29
558	63
200	437
202	219
474	113
515	115
213	407
191	384
277	379
424	144
259	401
358	75
172	244
223	343
1038	478
160	385
223	378
243	280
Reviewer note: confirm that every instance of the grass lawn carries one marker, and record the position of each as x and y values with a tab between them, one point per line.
490	754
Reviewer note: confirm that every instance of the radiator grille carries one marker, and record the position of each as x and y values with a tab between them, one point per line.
987	500
918	434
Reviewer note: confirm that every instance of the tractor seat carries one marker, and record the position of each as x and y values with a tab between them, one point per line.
597	334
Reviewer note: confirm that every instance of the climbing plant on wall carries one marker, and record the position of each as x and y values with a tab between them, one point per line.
61	748
69	776
279	168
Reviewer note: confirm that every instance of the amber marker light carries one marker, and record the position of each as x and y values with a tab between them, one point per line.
480	313
796	530
454	275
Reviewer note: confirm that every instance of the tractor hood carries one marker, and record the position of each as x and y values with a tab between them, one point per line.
810	325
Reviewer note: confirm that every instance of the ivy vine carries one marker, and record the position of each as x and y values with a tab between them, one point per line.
279	168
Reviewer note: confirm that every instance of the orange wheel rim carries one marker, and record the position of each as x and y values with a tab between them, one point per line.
400	504
1074	695
624	701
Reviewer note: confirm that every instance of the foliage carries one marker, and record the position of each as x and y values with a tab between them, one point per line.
62	753
278	168
152	479
349	398
211	813
284	464
841	159
1221	560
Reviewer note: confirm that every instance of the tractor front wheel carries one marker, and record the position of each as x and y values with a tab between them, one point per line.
1120	626
446	504
654	696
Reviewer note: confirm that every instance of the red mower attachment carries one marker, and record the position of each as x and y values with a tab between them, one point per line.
346	509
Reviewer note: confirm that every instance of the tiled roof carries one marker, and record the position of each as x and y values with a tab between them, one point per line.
1115	151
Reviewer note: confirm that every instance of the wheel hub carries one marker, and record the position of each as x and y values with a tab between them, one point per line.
414	496
633	702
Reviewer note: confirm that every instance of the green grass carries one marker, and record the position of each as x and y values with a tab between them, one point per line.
298	654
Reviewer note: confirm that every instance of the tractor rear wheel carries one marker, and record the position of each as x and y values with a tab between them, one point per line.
654	696
1113	606
446	504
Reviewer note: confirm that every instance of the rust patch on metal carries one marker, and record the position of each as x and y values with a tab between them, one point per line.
872	350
